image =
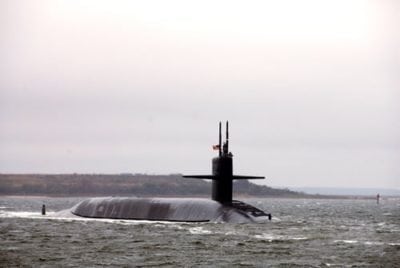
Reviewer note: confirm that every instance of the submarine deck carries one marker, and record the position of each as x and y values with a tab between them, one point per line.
169	209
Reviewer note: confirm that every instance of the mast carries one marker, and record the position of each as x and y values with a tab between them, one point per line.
220	140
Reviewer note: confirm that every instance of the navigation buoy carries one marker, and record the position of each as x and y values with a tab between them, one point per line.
43	209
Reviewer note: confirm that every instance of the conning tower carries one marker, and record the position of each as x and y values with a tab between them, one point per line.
222	171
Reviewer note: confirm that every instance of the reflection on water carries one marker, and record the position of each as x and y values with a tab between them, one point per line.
335	233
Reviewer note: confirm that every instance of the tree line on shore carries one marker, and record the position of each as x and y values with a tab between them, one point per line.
124	184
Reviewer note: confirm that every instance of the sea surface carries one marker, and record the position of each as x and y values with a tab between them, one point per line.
302	233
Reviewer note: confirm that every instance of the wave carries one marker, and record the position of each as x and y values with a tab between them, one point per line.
278	238
68	217
367	243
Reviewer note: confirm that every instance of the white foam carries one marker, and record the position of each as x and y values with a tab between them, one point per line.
266	237
69	217
367	243
270	237
22	214
372	243
299	238
199	230
346	241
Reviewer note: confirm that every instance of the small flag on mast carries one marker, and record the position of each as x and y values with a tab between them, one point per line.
216	147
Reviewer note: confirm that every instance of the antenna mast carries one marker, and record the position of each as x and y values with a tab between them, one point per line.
220	140
227	137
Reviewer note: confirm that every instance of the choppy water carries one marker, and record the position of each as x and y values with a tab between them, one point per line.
309	233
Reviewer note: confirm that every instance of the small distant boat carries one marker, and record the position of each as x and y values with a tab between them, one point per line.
221	207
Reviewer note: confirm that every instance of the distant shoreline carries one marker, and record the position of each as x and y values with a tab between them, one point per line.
139	185
122	185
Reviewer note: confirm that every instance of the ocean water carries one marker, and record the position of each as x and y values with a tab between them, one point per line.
303	233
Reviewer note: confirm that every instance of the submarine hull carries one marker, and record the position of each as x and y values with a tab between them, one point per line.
169	209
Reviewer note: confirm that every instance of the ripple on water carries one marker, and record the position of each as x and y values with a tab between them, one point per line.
324	234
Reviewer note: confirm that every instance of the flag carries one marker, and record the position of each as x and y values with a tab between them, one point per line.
216	147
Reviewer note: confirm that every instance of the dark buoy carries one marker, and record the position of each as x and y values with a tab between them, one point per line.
378	196
43	209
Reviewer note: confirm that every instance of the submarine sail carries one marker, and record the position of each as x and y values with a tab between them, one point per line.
221	207
222	171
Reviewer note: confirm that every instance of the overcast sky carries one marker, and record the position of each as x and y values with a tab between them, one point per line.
311	88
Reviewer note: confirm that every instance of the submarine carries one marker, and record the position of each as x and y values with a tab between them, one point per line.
220	208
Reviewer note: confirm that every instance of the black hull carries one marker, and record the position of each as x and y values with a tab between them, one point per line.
168	209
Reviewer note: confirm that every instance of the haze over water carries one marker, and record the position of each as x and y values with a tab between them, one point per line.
311	88
303	233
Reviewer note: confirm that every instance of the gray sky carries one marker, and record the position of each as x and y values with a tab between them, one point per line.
311	88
